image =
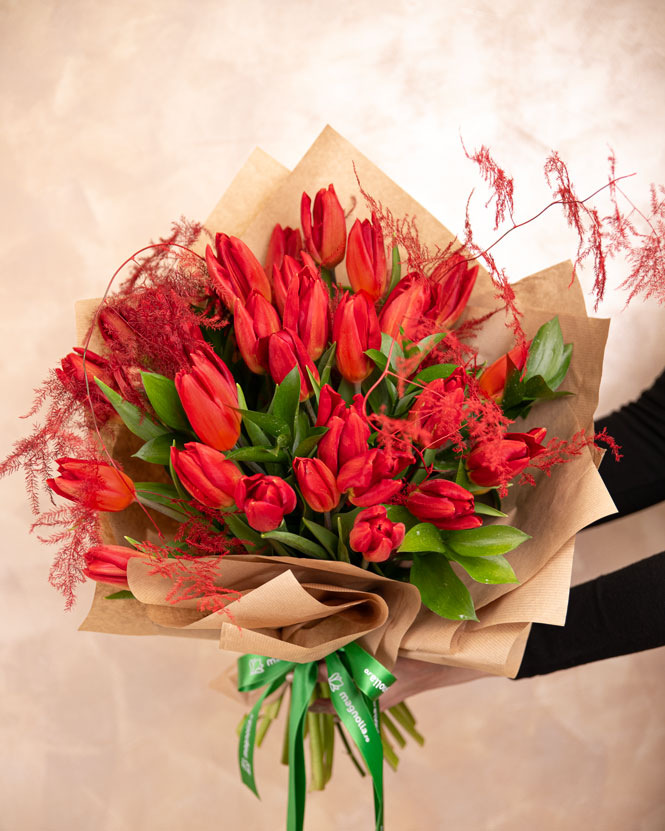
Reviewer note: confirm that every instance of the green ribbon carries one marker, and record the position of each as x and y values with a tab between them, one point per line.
356	681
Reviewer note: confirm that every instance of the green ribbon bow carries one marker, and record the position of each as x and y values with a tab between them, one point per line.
356	680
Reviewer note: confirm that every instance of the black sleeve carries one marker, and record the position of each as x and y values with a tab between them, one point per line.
638	479
616	614
622	612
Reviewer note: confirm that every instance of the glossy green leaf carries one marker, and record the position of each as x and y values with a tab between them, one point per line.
285	401
327	539
134	419
431	373
440	588
423	537
301	544
270	424
326	363
487	510
157	451
488	541
309	443
379	358
257	454
342	550
165	401
395	268
162	498
242	531
255	433
122	594
487	569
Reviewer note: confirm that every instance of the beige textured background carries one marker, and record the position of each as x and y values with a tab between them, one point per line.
118	118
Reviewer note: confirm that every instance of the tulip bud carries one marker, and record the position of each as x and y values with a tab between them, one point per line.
438	411
368	478
108	563
407	307
331	404
235	272
251	321
346	438
492	381
366	258
454	280
317	484
282	277
265	500
325	236
206	474
307	312
283	242
355	329
282	351
493	463
444	504
96	485
374	535
209	397
77	375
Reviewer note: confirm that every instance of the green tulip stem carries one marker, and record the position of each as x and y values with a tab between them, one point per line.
357	388
328	277
317	782
310	410
404	717
346	744
392	728
388	751
327	520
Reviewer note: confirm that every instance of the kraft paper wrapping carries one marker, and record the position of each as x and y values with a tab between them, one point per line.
302	609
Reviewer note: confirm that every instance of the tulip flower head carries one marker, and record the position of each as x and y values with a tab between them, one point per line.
439	409
443	503
325	232
265	500
317	484
209	397
368	478
96	485
492	380
355	329
374	535
454	280
283	242
251	321
280	353
108	563
493	463
307	312
235	271
366	258
206	474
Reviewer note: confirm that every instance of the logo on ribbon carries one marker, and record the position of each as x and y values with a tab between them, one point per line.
335	681
256	666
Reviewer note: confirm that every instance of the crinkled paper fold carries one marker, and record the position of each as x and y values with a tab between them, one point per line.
302	609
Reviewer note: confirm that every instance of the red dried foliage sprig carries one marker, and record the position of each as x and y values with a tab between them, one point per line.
561	451
501	185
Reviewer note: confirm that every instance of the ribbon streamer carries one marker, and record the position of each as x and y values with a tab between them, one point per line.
356	680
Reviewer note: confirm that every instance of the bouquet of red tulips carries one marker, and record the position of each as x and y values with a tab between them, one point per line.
325	457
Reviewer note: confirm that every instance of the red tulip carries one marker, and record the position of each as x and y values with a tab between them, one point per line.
280	352
347	437
493	463
282	277
368	478
374	535
438	411
108	563
331	404
283	241
235	272
366	258
444	504
307	312
206	474
251	321
265	500
454	279
492	381
407	307
210	400
75	368
317	484
325	236
96	485
355	329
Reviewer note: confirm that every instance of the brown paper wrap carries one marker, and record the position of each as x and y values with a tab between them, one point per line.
302	609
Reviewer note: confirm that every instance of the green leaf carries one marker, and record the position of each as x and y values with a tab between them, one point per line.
427	344
257	454
255	433
440	588
395	270
423	537
398	513
309	443
326	363
432	373
547	354
270	424
487	510
327	539
346	390
488	541
342	550
487	569
392	347
379	358
301	544
123	593
162	498
347	520
163	396
134	419
285	401
157	451
242	531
